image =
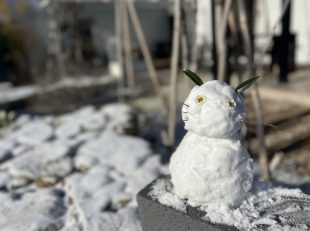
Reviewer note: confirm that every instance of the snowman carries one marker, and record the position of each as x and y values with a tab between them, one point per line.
211	166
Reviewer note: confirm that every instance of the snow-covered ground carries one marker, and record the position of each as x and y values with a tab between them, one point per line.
9	94
82	171
78	171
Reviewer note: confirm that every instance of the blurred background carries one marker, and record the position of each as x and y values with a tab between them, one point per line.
95	87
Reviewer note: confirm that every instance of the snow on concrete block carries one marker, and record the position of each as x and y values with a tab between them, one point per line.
155	216
264	209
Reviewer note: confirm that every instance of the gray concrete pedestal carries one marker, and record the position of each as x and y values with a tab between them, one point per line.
157	217
289	212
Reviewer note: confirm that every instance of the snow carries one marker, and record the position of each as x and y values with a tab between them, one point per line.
211	166
82	171
162	191
78	171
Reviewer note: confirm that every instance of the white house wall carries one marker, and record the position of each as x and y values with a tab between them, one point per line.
271	9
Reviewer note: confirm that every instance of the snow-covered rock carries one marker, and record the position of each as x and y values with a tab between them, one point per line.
94	122
33	133
10	182
86	156
89	194
45	160
119	117
85	119
68	129
6	145
34	211
123	152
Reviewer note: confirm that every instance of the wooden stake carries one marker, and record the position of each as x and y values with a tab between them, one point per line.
222	45
54	44
174	72
184	37
119	48
147	55
128	50
263	153
193	64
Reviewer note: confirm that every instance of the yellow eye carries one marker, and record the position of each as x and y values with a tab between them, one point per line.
231	104
200	99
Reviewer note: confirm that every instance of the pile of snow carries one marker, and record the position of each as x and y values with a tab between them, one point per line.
266	206
78	171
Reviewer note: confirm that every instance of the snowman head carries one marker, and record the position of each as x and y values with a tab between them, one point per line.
213	109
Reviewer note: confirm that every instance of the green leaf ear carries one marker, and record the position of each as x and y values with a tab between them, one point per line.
193	76
245	85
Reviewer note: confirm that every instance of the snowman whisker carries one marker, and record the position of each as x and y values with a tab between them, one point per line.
184	111
185	119
185	105
265	124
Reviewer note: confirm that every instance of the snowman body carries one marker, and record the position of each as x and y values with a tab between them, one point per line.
211	166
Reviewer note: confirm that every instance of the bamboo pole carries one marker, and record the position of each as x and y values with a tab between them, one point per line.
222	45
184	37
233	23
128	51
54	45
214	39
193	64
263	153
174	72
119	48
147	55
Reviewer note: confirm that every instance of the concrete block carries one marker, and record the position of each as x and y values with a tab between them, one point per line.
157	217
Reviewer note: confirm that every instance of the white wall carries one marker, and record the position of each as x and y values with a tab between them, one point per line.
267	14
301	26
